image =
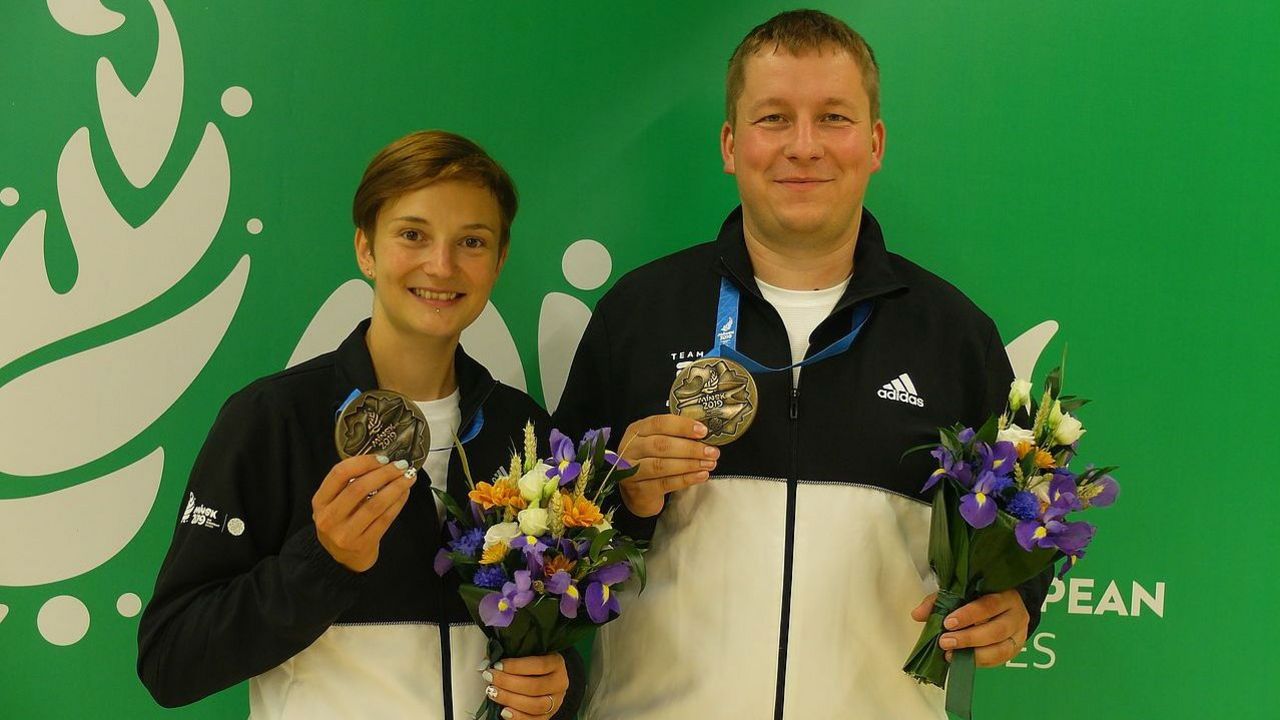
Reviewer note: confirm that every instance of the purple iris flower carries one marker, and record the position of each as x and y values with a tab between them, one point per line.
948	466
1052	531
533	548
615	460
564	462
1062	491
966	436
1106	489
499	609
999	458
601	599
562	584
443	563
979	506
590	437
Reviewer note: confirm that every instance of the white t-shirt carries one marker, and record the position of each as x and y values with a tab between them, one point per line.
444	416
802	311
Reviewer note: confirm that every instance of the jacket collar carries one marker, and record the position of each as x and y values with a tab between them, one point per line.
355	372
873	274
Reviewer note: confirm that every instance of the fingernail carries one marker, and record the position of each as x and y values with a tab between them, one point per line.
948	643
506	713
701	476
699	429
951	623
491	692
711	451
708	464
948	656
382	459
411	473
498	666
488	676
402	464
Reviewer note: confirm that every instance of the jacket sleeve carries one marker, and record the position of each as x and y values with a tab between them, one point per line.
587	404
577	672
245	585
996	398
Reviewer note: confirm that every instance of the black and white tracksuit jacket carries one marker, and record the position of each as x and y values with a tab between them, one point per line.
247	592
783	586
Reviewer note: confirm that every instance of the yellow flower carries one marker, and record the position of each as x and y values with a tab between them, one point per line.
580	512
494	554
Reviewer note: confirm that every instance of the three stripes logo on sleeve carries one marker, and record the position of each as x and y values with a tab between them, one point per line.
901	389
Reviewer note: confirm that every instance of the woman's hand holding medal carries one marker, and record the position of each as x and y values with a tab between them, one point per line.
358	500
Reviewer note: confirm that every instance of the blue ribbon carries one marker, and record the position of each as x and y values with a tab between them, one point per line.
726	339
473	428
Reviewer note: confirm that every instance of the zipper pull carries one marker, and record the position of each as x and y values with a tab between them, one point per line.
795	403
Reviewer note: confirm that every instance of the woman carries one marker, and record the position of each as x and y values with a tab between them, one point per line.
312	578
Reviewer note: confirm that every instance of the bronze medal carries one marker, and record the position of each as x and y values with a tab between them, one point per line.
383	422
717	392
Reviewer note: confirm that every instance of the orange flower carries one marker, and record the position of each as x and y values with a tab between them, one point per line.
1024	447
494	554
501	495
1044	460
580	512
558	563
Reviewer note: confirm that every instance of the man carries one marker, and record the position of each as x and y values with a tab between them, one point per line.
786	565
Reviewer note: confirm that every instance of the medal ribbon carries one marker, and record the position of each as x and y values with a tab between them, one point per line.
469	434
726	339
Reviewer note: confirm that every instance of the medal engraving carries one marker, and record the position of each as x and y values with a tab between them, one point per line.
720	394
385	423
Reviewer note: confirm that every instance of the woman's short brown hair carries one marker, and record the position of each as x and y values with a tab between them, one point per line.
425	157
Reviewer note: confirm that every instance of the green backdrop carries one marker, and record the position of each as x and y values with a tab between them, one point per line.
1106	165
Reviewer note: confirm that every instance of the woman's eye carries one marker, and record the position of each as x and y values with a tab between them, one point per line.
411	235
473	242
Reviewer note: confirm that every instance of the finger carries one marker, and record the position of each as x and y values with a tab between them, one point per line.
513	714
336	480
997	654
680	482
531	665
659	467
673	425
921	611
979	611
528	685
648	448
376	514
999	629
359	489
540	706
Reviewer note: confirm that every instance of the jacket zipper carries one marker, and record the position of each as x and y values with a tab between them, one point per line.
788	553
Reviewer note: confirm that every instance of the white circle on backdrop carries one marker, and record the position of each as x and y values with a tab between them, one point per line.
254	226
129	604
236	101
586	264
63	620
4	611
9	197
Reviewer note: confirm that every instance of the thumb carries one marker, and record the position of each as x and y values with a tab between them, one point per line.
921	612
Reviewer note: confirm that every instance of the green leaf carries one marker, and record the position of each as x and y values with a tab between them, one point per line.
452	507
462	457
917	448
1053	382
999	562
1071	403
987	433
600	541
635	556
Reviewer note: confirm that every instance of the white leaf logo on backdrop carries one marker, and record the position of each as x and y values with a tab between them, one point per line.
107	395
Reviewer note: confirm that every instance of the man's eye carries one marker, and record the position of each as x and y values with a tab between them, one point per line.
835	117
771	119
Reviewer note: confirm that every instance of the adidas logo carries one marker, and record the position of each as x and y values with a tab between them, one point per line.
901	389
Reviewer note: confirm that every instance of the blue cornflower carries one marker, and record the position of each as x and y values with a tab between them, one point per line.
468	543
490	576
1024	506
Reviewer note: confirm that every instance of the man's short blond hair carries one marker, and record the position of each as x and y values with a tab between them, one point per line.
798	32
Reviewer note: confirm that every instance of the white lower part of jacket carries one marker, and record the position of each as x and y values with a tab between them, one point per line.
373	671
702	641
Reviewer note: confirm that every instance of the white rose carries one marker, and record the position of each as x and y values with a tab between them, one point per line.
501	533
531	483
1019	395
1068	430
533	521
1015	435
1055	415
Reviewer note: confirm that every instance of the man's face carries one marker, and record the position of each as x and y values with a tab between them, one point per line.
435	257
803	146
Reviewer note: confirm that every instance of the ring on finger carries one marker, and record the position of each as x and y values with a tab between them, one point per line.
1014	641
551	705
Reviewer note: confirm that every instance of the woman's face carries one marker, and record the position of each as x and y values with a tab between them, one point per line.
434	258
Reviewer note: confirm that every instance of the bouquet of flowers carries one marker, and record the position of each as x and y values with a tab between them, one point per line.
1001	516
536	553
